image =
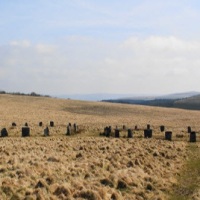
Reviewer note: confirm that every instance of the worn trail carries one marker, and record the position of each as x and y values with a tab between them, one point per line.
188	186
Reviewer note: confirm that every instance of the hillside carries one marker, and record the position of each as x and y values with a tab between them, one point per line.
192	103
169	101
95	115
86	165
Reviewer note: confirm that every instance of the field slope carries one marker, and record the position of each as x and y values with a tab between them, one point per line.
86	165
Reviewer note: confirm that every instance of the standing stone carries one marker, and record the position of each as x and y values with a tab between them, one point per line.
25	131
46	131
162	128
145	133
148	133
117	133
4	132
75	128
68	130
130	133
51	123
189	129
193	136
168	135
14	124
108	131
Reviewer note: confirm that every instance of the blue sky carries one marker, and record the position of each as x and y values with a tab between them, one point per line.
84	46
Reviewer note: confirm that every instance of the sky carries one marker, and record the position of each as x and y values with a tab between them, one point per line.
56	47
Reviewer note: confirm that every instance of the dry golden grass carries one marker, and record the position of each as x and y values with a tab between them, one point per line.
85	165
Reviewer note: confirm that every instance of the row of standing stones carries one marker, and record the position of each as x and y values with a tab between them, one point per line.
148	132
71	129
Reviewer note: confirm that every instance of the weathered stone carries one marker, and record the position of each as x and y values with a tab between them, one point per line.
130	133
189	129
148	133
117	133
168	135
68	130
46	131
51	123
162	128
193	136
25	131
14	124
4	132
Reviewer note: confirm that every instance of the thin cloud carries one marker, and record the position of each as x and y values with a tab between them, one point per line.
23	43
132	66
45	49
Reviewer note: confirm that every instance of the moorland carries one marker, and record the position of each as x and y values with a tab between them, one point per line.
85	165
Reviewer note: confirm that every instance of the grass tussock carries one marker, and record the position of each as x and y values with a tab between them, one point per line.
117	168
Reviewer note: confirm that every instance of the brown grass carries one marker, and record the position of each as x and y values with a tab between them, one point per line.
86	166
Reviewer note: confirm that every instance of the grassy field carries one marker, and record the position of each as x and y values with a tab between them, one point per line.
86	165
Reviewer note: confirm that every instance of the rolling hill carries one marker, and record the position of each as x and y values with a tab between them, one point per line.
192	103
190	100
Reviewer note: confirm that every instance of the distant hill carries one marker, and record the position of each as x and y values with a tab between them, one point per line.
93	97
188	100
192	103
178	95
110	96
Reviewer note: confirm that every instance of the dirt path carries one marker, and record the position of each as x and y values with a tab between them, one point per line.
188	186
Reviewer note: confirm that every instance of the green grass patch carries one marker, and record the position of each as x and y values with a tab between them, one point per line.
189	179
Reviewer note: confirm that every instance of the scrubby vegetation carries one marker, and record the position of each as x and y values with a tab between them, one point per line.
155	102
24	94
